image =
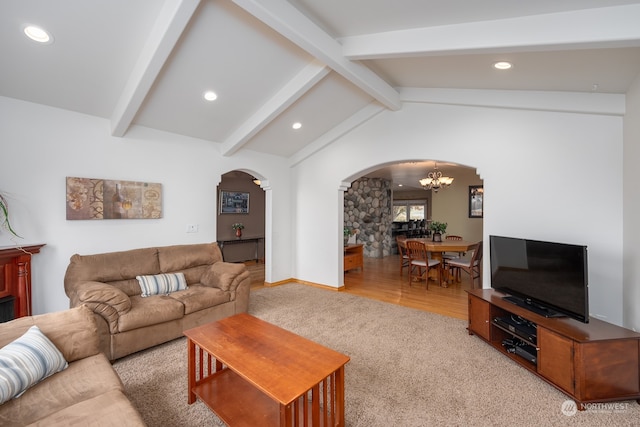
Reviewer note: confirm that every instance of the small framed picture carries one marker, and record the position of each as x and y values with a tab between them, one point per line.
476	194
234	202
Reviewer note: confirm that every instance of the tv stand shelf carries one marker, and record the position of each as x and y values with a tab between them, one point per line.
591	362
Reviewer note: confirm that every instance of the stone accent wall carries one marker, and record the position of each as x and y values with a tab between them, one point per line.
368	210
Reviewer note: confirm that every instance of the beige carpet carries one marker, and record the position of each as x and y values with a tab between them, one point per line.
407	368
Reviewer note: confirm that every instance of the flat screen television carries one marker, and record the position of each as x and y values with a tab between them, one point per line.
548	278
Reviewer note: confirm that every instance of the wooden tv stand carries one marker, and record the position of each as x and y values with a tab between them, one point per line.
591	362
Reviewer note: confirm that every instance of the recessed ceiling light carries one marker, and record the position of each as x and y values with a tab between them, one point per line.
502	65
210	95
38	34
296	125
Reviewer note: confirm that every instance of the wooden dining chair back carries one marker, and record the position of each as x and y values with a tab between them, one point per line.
420	263
448	256
473	265
402	251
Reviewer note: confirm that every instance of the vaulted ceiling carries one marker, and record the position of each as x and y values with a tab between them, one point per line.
317	62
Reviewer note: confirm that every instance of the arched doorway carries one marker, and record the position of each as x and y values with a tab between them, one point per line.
241	204
398	185
370	197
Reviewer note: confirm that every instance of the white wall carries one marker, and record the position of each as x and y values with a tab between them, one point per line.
541	171
631	294
42	145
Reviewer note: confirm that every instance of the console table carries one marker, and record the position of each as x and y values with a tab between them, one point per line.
353	256
236	241
15	276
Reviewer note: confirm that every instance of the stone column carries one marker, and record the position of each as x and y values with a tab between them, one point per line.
368	211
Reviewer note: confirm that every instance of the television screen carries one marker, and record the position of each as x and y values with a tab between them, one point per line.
551	277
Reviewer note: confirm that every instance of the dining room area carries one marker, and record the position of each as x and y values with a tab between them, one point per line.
427	251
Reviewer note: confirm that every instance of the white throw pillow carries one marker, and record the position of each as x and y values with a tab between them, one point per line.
26	361
161	284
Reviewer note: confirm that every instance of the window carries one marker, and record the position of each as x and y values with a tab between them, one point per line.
405	210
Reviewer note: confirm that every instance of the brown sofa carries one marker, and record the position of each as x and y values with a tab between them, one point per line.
128	322
87	392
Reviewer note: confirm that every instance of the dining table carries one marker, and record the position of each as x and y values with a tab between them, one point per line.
438	248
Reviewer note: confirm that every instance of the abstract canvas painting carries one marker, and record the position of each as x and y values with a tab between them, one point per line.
91	198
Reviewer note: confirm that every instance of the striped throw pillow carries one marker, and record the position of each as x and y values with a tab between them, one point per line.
26	361
161	284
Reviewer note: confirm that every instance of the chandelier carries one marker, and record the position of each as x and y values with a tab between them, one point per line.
435	181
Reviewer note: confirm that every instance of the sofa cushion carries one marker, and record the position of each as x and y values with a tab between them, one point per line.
150	311
107	409
84	379
27	361
199	297
128	286
112	266
181	257
161	284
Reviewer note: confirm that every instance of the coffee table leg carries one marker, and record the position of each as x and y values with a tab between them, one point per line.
191	371
340	396
286	415
315	405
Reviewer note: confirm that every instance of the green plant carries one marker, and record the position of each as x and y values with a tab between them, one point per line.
438	227
347	231
4	219
238	225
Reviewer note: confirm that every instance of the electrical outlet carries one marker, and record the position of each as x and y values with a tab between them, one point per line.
192	228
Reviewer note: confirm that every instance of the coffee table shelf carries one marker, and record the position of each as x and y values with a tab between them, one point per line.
236	401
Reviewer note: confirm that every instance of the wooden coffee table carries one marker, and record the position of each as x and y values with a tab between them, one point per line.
252	373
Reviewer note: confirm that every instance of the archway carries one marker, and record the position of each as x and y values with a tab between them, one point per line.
242	202
451	205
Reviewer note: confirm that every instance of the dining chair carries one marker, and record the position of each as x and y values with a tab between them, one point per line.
419	260
472	265
446	256
454	254
402	251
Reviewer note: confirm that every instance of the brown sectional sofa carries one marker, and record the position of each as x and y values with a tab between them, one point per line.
128	322
87	392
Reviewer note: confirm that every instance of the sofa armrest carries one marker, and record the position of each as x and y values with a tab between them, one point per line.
225	275
104	300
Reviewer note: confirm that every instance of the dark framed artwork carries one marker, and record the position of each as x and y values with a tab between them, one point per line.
476	195
234	202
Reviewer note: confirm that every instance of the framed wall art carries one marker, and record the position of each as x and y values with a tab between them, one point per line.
234	202
91	198
476	194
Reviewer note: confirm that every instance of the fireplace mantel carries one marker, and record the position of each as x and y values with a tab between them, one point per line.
15	276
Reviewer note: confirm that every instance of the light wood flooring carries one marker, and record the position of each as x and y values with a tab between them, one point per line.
380	279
